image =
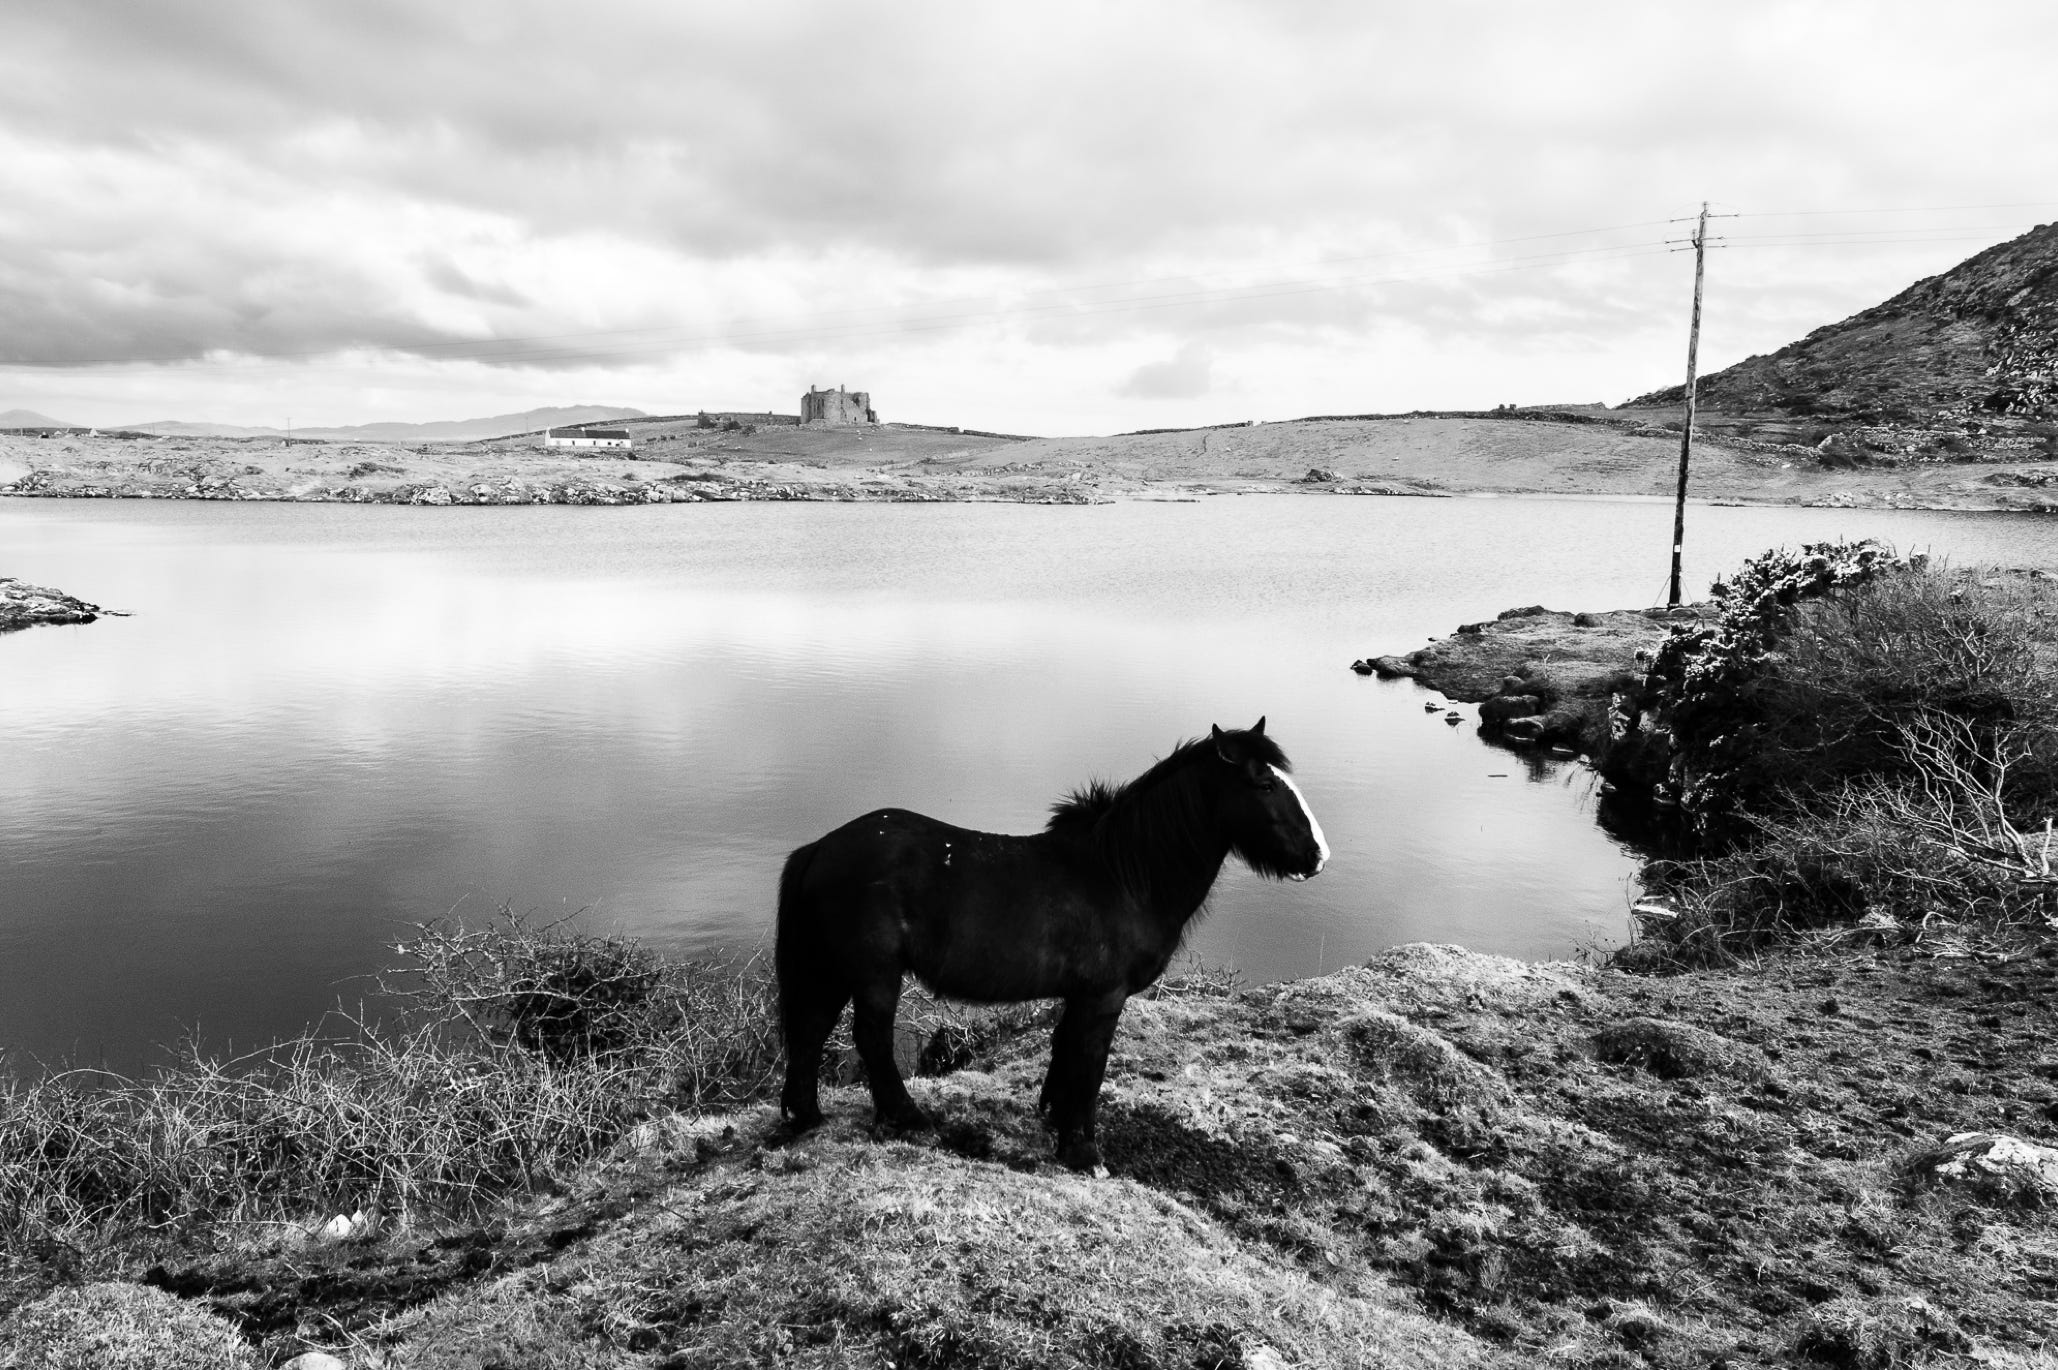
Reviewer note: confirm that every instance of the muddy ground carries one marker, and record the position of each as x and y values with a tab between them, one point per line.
1433	1159
676	461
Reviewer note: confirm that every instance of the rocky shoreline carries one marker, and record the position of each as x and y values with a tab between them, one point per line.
24	606
1541	677
513	490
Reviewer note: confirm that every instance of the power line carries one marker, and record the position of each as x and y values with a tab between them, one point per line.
1923	209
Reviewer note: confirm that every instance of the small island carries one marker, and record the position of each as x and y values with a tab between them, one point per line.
23	605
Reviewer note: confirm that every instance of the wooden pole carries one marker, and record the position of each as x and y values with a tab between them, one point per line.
1686	435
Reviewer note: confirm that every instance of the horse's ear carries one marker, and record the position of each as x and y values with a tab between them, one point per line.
1220	750
1259	730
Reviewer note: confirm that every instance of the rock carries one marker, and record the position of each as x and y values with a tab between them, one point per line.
1994	1160
343	1227
1503	707
1677	1051
1363	666
1392	667
1319	476
23	606
1526	729
316	1360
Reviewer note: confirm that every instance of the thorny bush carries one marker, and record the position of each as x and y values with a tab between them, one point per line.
1860	744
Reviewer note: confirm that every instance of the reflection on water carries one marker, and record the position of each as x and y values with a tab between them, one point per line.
323	724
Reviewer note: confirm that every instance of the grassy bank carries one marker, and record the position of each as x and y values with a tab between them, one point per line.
1434	1159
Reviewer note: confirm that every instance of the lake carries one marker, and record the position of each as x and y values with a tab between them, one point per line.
322	724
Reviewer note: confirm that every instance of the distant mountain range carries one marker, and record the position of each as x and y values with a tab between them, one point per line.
447	430
1981	339
29	418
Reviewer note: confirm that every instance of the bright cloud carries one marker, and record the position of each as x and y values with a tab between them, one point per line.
1056	218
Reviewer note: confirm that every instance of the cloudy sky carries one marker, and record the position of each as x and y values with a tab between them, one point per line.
1051	218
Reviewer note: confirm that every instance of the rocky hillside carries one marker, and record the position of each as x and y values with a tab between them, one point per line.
1979	340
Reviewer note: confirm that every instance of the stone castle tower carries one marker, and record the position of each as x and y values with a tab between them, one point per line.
834	408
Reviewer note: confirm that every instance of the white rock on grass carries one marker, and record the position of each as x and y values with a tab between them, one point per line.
1977	1155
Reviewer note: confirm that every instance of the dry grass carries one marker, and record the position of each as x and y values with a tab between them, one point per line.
842	1253
120	1327
521	1052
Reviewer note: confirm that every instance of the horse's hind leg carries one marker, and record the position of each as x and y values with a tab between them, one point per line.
872	1025
808	1014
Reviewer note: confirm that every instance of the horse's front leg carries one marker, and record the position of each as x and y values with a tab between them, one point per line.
1064	1053
1079	1059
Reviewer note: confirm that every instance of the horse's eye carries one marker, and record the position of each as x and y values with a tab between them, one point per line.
1267	786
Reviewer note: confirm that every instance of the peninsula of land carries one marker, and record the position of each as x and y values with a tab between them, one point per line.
1566	451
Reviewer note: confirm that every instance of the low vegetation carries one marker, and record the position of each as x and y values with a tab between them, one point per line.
517	1055
1860	746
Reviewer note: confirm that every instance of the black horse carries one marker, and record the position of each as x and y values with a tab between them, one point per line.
1089	911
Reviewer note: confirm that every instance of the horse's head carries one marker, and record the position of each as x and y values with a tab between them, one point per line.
1269	823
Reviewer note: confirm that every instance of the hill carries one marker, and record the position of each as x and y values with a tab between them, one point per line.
1979	341
29	418
445	430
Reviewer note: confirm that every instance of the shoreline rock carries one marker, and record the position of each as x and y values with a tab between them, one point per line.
1541	677
25	606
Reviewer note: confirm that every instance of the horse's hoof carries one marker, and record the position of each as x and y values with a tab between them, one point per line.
1083	1157
903	1122
799	1120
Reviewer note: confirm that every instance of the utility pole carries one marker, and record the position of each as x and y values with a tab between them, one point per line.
1686	433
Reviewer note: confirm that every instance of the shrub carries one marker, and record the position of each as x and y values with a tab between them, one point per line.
1858	740
519	1053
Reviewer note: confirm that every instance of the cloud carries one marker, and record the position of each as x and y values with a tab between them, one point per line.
713	192
1183	376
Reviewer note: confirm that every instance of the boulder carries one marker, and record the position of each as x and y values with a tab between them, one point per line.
1503	707
1994	1161
1677	1051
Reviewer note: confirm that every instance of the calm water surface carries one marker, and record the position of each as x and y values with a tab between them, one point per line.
321	725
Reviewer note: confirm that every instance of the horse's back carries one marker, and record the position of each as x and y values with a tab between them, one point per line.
975	914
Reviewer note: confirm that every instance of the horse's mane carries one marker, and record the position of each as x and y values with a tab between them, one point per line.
1154	824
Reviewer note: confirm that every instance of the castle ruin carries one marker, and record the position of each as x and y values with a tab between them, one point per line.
836	408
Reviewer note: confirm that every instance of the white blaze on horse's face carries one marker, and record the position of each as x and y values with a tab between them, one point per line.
1314	828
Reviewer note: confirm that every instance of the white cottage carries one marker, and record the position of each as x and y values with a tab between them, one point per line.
587	437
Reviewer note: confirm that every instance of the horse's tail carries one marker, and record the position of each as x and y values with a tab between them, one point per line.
788	937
